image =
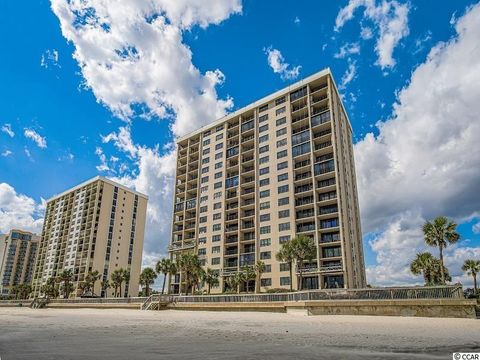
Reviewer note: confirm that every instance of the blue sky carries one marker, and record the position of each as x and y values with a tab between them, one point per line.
66	118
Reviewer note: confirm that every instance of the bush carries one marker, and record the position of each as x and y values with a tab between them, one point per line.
278	290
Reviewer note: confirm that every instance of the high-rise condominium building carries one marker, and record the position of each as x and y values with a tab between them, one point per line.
97	225
18	250
280	167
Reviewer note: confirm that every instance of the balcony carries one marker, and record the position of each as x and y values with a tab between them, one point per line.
304	201
231	251
306	227
321	118
247	259
182	246
231	239
303	188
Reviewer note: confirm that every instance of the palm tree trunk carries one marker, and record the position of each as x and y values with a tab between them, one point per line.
291	279
208	288
475	282
164	278
442	272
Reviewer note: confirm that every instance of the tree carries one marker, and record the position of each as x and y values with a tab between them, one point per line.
24	291
126	279
234	281
304	249
88	285
166	267
210	277
147	278
472	267
117	279
287	256
65	279
14	290
260	268
188	265
105	285
423	264
439	233
50	288
249	274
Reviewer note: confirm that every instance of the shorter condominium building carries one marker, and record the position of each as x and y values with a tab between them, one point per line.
18	250
95	226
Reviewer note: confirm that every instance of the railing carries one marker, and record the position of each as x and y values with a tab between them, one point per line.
156	299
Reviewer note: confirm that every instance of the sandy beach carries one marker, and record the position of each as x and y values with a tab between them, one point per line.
135	334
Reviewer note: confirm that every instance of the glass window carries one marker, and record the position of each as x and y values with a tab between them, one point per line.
281	132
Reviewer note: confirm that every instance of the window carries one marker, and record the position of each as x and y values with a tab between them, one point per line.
216	250
301	149
284	239
282	131
282	165
282	177
284	226
217	216
281	121
202	230
263	217
202	251
265	242
206	160
281	143
263	160
204	179
218	128
217	206
280	100
203	209
218	175
266	282
263	138
206	151
219	165
203	198
331	251
263	149
325	224
265	230
219	137
204	170
206	142
263	118
217	185
284	280
264	182
283	189
202	240
265	205
283	201
263	108
263	128
281	154
217	195
283	214
215	261
218	156
264	170
280	111
215	238
284	267
219	146
216	227
264	193
297	94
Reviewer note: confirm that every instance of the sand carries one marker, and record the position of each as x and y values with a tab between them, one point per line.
170	334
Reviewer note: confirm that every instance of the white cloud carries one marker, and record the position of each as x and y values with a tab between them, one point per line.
7	129
279	66
425	160
347	49
296	21
6	153
41	141
390	18
132	56
348	76
366	33
103	160
49	58
476	228
27	152
19	211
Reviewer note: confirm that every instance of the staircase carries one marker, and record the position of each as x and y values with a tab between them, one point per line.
157	302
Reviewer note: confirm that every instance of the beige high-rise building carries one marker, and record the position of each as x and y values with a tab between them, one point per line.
18	250
97	225
280	167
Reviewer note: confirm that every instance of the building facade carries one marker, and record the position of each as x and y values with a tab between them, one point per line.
97	225
280	167
18	250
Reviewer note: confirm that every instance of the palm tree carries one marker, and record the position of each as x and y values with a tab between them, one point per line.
66	277
105	285
188	264
260	268
235	280
166	267
50	288
439	233
88	284
210	277
126	279
287	256
117	279
24	291
472	267
250	274
423	264
304	249
147	278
